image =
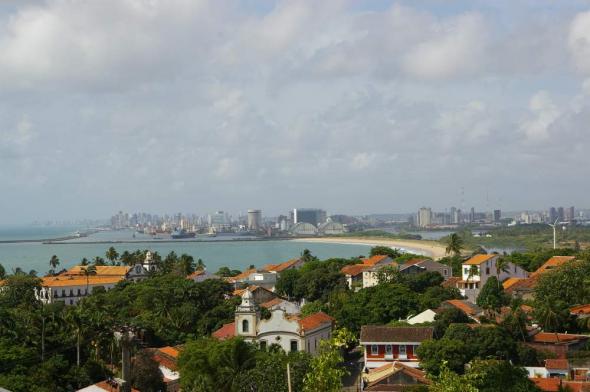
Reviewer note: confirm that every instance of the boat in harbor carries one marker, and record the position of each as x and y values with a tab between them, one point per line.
182	234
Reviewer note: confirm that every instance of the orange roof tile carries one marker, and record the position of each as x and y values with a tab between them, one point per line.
414	261
550	337
225	332
464	306
354	269
451	282
510	282
479	259
272	302
170	351
373	260
554	262
242	275
105	270
580	310
93	280
314	321
195	274
557	364
282	266
553	384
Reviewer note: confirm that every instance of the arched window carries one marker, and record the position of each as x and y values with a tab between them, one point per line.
245	326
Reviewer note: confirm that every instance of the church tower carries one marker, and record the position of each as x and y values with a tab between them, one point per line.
247	316
149	263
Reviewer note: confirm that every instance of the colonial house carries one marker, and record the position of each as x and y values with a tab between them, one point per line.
525	287
477	270
560	344
415	266
72	285
260	295
385	344
365	274
558	384
167	359
291	332
471	310
393	376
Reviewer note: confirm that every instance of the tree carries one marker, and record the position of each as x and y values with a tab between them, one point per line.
145	373
112	255
386	251
2	272
88	271
492	297
75	321
501	266
84	261
185	265
494	375
54	262
307	256
445	318
200	265
389	274
449	381
325	373
453	353
552	315
454	244
98	260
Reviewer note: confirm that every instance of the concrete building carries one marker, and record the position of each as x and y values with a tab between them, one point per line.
331	228
304	228
497	215
384	344
424	217
314	216
254	220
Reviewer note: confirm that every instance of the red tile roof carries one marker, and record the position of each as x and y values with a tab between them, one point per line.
225	332
580	310
552	384
272	302
414	261
373	260
314	321
550	337
387	333
479	259
195	274
243	275
282	266
553	262
451	282
170	351
464	306
353	270
557	364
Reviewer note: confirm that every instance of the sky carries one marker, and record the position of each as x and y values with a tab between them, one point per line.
352	106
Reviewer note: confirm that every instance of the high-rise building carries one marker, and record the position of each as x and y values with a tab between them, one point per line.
561	214
424	217
570	214
254	219
454	216
497	215
552	214
472	215
218	220
315	216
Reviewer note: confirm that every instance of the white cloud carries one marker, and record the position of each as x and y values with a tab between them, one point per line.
544	113
579	41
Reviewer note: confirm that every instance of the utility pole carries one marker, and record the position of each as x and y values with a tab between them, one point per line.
554	225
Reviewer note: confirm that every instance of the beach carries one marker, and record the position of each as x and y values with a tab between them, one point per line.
427	248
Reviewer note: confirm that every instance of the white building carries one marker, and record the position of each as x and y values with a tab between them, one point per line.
289	331
477	270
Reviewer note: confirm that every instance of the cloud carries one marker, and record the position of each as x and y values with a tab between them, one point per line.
544	113
579	41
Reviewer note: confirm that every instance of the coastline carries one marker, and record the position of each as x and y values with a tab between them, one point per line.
427	248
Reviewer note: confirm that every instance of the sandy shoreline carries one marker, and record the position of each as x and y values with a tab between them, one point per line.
428	248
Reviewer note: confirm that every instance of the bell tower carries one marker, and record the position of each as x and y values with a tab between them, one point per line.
247	316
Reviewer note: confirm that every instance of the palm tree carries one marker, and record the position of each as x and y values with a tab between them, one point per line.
98	260
88	271
306	255
200	265
84	261
75	321
548	316
454	244
53	262
501	266
112	255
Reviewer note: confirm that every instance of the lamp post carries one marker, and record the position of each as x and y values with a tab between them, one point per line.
554	225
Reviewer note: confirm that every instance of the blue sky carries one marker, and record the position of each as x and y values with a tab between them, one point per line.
356	107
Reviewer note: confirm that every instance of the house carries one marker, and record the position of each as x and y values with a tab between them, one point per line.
415	266
426	316
287	265
384	344
259	294
470	309
581	311
559	344
525	287
557	384
288	306
393	376
292	332
167	359
476	271
365	273
110	385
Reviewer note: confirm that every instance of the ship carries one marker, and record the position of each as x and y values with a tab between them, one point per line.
181	234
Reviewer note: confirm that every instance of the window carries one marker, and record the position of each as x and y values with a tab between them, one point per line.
245	326
374	349
487	270
515	268
402	350
263	344
466	271
445	272
294	346
388	349
308	346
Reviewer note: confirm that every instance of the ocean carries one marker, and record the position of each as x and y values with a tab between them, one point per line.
215	253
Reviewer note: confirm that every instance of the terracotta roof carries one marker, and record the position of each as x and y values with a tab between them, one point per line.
509	282
354	269
105	270
166	361
552	384
550	337
379	374
557	364
93	280
451	282
385	333
414	261
373	260
465	306
479	259
280	267
553	262
580	310
243	275
170	351
272	302
109	386
314	321
225	332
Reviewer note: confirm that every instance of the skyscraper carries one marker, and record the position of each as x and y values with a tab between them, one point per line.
254	219
497	215
424	217
315	216
552	214
561	214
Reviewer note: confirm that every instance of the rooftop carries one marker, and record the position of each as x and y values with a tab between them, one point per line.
314	321
580	310
354	269
72	280
479	259
385	334
373	260
557	338
465	306
554	262
225	332
557	364
104	270
280	267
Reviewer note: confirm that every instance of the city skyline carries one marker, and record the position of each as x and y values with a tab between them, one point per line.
356	107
